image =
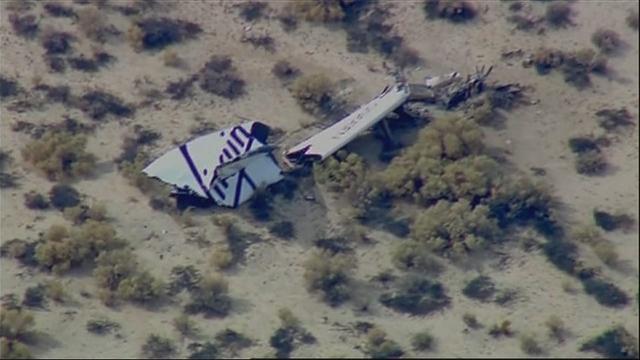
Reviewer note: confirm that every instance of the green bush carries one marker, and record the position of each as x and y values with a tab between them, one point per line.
329	274
455	228
557	329
411	255
60	156
501	329
15	324
35	296
219	77
423	341
142	288
210	297
101	326
158	347
327	11
13	349
346	174
481	288
185	326
79	214
521	201
615	343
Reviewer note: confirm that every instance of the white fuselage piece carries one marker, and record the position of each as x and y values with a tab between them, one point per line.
226	166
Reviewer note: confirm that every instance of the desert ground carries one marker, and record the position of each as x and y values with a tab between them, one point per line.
534	135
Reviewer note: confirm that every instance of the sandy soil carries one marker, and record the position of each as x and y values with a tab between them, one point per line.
271	278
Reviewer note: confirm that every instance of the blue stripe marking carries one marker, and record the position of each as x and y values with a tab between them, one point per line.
242	174
194	170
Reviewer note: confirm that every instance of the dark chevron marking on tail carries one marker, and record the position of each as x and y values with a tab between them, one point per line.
194	170
242	174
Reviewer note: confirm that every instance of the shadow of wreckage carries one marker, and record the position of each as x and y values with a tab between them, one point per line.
243	162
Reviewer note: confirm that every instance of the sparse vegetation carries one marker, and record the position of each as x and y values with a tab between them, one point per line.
632	20
264	41
92	22
457	11
423	341
35	201
283	229
471	321
378	346
184	277
25	26
608	41
612	221
210	297
557	329
101	326
284	71
501	329
317	11
481	288
15	326
57	42
613	119
219	77
411	255
329	273
615	343
79	214
289	335
60	156
530	345
58	10
559	14
605	293
417	296
34	296
252	10
232	341
63	196
221	257
314	93
8	87
97	104
158	33
185	326
158	347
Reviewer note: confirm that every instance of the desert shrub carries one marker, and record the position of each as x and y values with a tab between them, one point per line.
456	11
505	297
346	174
556	327
34	296
101	326
60	156
208	350
260	41
608	41
314	93
471	321
8	180
57	42
501	329
524	22
562	254
63	196
181	88
99	60
615	343
582	144
260	205
8	87
210	297
333	245
63	249
577	66
55	291
158	33
612	119
81	213
219	77
558	14
237	240
171	58
25	26
289	335
20	250
158	347
521	201
184	277
232	341
283	229
455	228
605	293
329	11
185	326
221	257
378	346
36	201
142	288
13	349
546	59
58	10
92	22
530	345
632	20
329	274
132	145
411	255
417	296
252	10
284	71
611	221
98	104
591	163
423	341
15	324
480	288
288	22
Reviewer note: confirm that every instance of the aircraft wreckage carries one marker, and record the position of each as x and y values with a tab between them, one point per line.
228	166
